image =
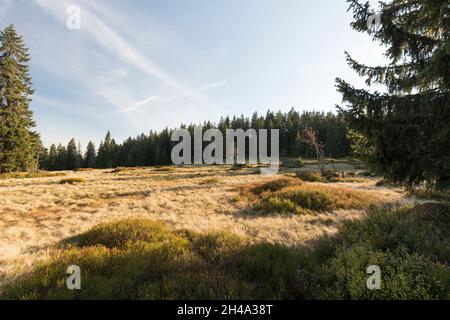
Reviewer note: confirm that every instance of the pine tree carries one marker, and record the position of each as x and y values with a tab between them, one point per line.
106	152
61	157
52	158
20	146
71	155
406	129
90	156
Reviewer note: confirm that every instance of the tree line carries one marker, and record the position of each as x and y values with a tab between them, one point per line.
155	148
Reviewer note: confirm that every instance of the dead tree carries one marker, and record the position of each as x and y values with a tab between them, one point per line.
310	137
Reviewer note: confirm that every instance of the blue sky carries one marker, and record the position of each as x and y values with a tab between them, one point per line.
139	65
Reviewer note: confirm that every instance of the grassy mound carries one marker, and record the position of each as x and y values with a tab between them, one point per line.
274	185
431	194
291	195
310	176
137	259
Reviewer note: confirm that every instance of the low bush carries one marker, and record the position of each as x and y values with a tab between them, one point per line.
209	181
295	163
274	185
310	176
431	194
166	169
307	198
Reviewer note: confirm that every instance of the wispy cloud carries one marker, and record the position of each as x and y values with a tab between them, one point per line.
111	85
109	39
149	100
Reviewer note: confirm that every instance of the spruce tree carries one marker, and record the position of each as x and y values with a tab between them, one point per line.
89	157
20	146
71	155
52	158
406	129
61	157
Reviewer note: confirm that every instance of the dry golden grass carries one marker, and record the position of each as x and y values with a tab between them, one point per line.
37	213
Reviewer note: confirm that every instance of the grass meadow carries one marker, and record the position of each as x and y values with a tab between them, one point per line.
220	232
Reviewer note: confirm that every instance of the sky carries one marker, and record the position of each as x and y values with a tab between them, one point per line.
141	65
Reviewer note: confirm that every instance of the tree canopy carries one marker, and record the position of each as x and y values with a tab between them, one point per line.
406	130
20	145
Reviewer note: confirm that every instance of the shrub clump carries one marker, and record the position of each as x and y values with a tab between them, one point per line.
431	194
296	163
309	198
310	176
274	185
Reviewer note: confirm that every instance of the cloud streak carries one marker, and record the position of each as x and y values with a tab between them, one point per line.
115	90
149	100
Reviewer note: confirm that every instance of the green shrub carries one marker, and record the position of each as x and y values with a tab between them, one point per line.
210	181
310	176
166	169
274	185
273	269
307	198
363	173
403	276
119	234
214	246
239	166
296	163
431	194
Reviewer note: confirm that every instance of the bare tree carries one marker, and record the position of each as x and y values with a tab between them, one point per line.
310	137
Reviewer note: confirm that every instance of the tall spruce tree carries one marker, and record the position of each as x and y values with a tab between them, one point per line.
90	156
52	158
20	146
406	130
71	155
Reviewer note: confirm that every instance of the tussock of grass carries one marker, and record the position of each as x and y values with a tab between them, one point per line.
310	176
137	259
126	169
84	170
210	181
309	197
293	163
165	169
239	166
29	175
290	195
117	235
274	185
72	181
347	179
